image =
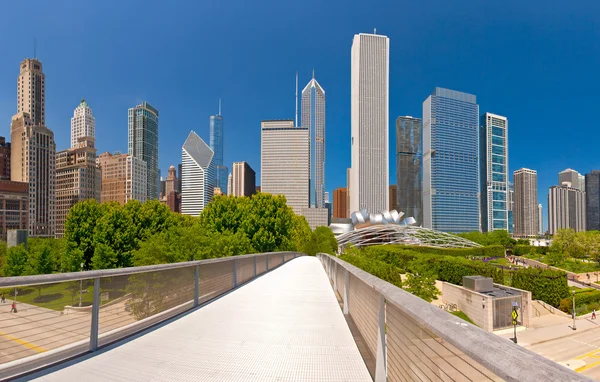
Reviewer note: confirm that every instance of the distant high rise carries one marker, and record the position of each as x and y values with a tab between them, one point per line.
511	205
171	181
450	161
285	163
4	159
566	208
143	143
198	175
370	125
592	203
217	137
493	156
77	179
525	211
179	168
243	180
123	178
313	118
230	184
540	220
409	167
83	123
393	202
31	91
576	179
340	203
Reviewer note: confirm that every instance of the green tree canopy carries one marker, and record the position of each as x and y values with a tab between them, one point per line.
17	261
80	227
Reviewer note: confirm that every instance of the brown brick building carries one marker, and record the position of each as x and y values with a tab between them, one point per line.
340	203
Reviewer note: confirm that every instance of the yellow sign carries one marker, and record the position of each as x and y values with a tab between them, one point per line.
514	322
515	315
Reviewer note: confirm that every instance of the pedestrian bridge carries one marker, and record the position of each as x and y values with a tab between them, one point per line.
264	317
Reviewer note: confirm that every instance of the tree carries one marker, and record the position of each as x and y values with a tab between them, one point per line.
41	265
565	242
104	257
17	261
80	227
322	240
422	286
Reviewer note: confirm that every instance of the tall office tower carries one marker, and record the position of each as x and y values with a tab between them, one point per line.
340	203
313	118
123	178
511	205
143	143
326	197
493	156
566	208
348	191
162	187
525	210
230	184
393	201
576	179
592	200
409	167
179	169
243	179
76	179
370	129
4	159
450	161
197	175
31	91
173	198
83	123
217	137
540	220
285	163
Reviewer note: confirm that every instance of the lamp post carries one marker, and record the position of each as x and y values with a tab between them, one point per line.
80	286
574	326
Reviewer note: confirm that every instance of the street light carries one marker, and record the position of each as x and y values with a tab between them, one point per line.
574	327
80	286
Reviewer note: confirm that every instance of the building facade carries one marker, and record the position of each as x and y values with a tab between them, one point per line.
217	137
197	175
285	162
340	203
409	167
493	156
31	91
14	206
316	217
566	208
83	123
573	177
525	211
450	161
123	178
243	180
511	205
592	200
313	118
77	179
370	123
143	143
4	159
230	184
393	202
540	220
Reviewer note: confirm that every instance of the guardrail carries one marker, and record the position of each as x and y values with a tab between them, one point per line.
59	316
412	340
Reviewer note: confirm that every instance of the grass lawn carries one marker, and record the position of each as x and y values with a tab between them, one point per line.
460	314
571	265
57	296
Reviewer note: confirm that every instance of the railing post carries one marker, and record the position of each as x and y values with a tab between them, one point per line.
267	261
234	273
283	258
255	266
196	285
380	362
95	316
346	292
335	279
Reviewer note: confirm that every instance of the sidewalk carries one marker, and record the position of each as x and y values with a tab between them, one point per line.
552	332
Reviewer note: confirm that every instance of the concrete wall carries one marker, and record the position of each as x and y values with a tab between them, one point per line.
526	308
477	306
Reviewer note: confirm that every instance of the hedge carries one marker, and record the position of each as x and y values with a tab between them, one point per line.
377	268
490	251
586	298
452	270
522	250
547	285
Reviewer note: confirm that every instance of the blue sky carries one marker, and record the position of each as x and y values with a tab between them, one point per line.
535	62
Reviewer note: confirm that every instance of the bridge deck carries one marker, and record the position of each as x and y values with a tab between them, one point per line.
284	326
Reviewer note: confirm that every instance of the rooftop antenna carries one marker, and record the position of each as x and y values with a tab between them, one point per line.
296	98
313	73
219	106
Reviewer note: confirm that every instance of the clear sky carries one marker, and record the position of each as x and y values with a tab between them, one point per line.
536	62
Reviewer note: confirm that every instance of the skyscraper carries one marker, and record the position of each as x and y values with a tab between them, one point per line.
4	159
340	203
525	211
33	150
450	161
409	167
540	220
493	156
230	184
576	179
313	118
566	208
243	179
217	137
143	143
83	123
197	176
370	125
171	190
393	202
123	178
511	205
592	200
285	162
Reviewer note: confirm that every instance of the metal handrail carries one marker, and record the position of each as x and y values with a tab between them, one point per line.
503	358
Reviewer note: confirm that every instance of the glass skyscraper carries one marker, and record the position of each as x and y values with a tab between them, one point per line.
143	143
409	169
216	145
313	118
450	161
493	143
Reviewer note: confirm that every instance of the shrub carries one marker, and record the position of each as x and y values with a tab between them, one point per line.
376	267
522	250
545	284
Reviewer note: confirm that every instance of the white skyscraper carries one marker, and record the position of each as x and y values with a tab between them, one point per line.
313	118
566	208
285	163
540	220
369	182
83	123
198	175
